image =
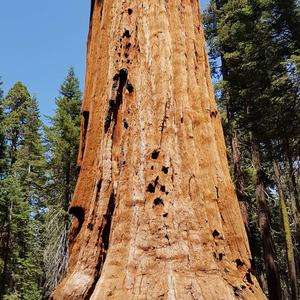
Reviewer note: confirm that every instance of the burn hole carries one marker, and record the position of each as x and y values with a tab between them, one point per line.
237	291
155	154
165	170
98	189
158	202
105	230
221	255
249	278
151	188
126	34
163	189
130	11
123	77
85	116
125	124
119	82
116	76
165	215
129	87
126	55
78	213
239	263
108	217
216	233
90	226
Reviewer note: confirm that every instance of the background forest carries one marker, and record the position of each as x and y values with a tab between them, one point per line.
254	50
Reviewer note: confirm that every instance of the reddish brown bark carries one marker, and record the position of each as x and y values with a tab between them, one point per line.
239	181
272	272
157	215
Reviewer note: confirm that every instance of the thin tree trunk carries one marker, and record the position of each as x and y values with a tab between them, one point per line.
272	272
156	212
288	234
295	203
6	277
239	181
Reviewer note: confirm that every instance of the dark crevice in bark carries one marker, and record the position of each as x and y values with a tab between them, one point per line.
85	116
78	213
165	170
155	154
125	124
92	9
152	186
248	277
217	192
126	34
158	202
104	233
99	185
163	188
239	263
164	121
120	82
216	233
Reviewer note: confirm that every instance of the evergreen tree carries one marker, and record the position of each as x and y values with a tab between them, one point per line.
255	44
2	140
63	144
21	194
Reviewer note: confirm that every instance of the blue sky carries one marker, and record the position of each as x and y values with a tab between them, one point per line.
39	41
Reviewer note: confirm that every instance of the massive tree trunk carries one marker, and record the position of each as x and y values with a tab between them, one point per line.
156	212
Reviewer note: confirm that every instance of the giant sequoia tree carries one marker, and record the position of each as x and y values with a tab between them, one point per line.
156	215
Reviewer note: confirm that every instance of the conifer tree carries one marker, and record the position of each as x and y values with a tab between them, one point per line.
20	200
63	142
2	141
254	44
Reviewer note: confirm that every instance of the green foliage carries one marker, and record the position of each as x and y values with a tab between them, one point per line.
19	270
21	208
2	138
35	192
63	139
254	50
62	149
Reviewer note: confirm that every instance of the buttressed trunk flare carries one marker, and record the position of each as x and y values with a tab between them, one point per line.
156	212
